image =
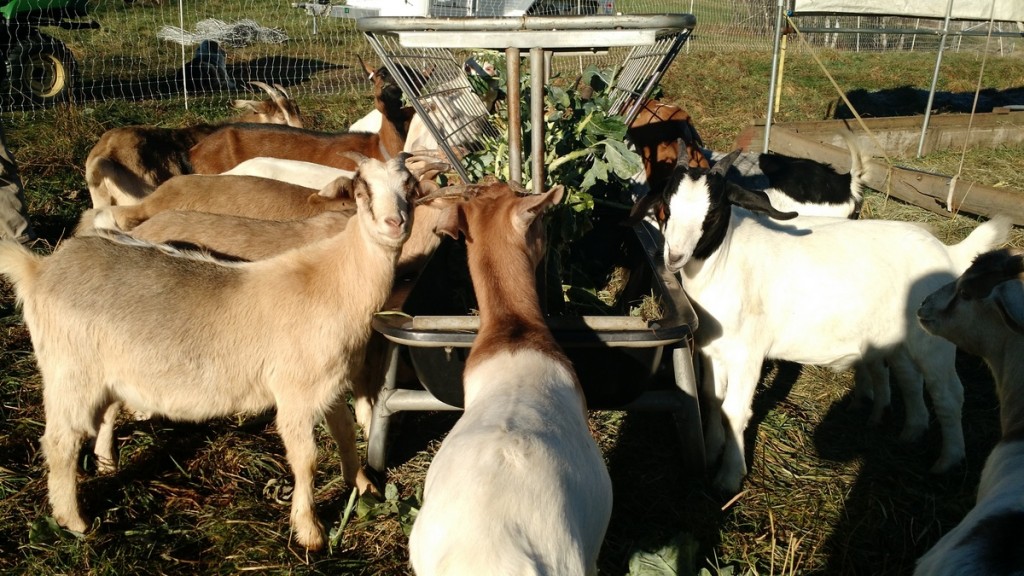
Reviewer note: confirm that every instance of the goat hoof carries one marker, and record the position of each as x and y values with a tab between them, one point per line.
311	538
73	524
367	486
105	466
726	484
945	464
910	435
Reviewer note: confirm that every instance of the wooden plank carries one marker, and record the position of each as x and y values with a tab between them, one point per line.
900	136
927	190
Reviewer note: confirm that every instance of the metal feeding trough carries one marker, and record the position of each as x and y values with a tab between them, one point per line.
619	359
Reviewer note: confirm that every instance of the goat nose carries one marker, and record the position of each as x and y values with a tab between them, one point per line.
396	222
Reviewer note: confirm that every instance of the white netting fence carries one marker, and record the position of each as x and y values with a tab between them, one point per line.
146	49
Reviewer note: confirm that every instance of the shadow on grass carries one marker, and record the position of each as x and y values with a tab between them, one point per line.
896	509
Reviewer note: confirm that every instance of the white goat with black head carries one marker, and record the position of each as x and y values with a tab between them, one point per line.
983	313
823	291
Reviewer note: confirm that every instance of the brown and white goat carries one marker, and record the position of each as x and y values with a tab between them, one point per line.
662	133
250	196
129	162
286	333
982	312
518	486
233	144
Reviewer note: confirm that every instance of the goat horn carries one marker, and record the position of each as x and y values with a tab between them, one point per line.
464	191
264	86
282	90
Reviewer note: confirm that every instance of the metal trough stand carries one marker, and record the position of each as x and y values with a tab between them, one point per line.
456	117
598	346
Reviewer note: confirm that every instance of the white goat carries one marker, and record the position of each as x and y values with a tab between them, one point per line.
192	339
823	291
298	172
802	185
518	486
983	313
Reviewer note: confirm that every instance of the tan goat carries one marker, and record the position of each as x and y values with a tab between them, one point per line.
127	163
286	333
250	196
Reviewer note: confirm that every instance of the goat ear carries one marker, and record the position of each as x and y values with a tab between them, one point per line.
556	193
1009	299
644	205
355	156
754	200
533	205
340	187
370	72
448	222
245	105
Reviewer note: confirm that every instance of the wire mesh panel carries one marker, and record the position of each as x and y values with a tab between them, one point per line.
437	87
435	79
641	70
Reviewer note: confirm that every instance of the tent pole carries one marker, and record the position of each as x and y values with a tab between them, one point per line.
775	75
935	78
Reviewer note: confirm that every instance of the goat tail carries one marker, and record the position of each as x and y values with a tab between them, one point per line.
122	185
103	219
20	266
987	236
858	164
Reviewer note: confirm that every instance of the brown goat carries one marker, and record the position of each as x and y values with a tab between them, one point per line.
129	162
231	145
656	132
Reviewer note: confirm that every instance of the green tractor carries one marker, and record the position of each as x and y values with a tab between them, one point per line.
39	70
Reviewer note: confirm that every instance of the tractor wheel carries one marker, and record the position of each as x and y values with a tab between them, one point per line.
40	72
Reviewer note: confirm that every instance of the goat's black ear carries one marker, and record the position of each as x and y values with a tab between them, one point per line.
643	206
755	200
1009	299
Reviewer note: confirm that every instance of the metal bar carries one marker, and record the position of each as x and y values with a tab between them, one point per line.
537	119
515	121
908	31
935	78
600	22
551	39
776	54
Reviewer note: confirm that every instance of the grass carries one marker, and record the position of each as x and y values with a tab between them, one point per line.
825	495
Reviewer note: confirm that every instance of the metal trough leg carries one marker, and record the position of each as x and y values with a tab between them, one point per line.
687	418
390	401
377	437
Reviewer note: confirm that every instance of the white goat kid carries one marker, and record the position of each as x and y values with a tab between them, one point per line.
518	486
821	291
983	313
192	339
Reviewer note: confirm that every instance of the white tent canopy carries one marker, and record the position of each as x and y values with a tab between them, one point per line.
1001	10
